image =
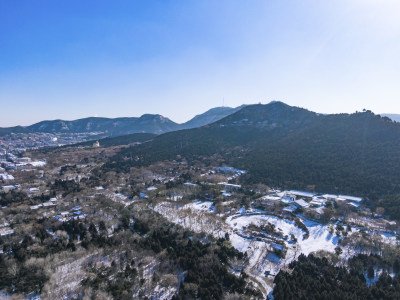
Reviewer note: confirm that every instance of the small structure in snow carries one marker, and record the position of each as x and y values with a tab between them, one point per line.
355	205
301	194
351	198
290	209
288	199
273	257
230	186
301	203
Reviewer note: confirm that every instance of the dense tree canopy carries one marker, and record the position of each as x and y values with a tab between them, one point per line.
315	278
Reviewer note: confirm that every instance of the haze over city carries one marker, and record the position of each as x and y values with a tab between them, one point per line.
69	60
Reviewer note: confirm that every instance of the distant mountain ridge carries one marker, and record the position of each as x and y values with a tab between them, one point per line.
394	117
147	123
210	116
118	126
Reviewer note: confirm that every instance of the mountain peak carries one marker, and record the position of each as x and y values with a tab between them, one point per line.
210	116
269	115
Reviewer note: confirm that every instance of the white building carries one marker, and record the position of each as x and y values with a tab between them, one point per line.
301	194
301	203
351	198
23	160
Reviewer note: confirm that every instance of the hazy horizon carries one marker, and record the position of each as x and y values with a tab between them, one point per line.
71	60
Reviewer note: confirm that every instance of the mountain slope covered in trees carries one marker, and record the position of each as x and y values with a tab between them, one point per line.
315	278
290	147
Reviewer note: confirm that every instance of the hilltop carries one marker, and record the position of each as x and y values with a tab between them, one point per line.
291	147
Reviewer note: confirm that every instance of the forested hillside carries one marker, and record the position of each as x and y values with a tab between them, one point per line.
290	147
315	278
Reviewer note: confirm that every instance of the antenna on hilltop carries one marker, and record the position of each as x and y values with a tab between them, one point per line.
223	101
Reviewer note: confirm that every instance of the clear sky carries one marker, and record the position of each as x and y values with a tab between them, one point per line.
73	59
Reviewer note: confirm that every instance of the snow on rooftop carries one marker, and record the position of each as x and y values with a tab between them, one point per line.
271	197
6	177
287	200
351	198
329	196
317	202
230	169
230	185
319	239
302	203
290	209
301	194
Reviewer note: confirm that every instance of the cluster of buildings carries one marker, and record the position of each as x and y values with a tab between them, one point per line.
74	214
51	202
292	200
10	163
21	142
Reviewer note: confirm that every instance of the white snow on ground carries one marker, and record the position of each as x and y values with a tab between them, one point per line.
261	260
66	278
320	238
39	163
389	238
199	205
163	293
199	216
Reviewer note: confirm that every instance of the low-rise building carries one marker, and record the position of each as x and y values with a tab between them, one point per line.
301	203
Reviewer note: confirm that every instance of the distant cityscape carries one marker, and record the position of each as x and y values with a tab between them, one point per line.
16	143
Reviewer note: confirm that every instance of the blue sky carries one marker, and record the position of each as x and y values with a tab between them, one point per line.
74	59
